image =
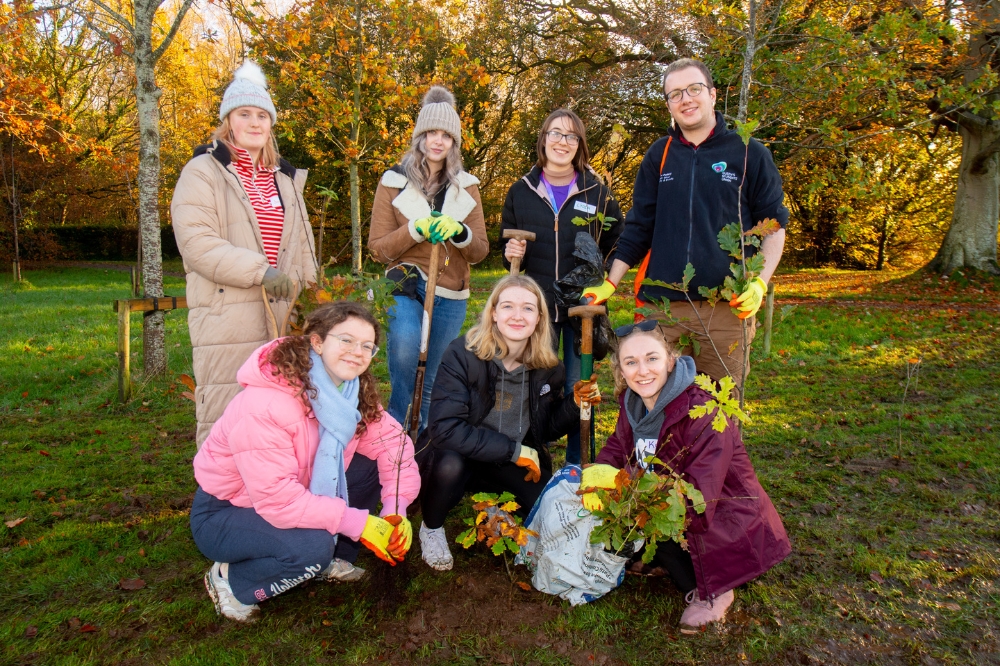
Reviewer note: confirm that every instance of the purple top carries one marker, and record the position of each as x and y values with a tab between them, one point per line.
558	192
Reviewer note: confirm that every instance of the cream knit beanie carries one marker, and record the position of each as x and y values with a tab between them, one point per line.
438	113
249	88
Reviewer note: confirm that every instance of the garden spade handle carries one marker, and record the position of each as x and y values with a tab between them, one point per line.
517	234
425	336
586	314
280	332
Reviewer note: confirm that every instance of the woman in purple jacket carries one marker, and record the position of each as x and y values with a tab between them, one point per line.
739	536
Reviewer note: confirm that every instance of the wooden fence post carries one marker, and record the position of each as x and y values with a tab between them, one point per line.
124	371
134	273
768	318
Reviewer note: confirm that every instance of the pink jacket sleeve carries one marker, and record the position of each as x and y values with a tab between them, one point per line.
265	459
386	443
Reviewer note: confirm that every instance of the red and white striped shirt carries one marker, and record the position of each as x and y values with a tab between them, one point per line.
259	186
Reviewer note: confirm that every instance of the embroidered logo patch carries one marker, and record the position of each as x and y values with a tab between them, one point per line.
719	167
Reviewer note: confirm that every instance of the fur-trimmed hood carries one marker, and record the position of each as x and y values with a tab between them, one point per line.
458	203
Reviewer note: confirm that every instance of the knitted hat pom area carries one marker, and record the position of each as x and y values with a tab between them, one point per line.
438	113
249	88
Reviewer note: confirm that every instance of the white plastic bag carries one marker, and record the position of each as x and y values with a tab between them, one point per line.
561	557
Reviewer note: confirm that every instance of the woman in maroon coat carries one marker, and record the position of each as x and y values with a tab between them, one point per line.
739	536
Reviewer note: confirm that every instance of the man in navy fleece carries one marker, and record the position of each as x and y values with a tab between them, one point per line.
686	191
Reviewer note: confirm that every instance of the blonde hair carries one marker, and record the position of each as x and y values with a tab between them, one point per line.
414	163
484	339
269	156
616	344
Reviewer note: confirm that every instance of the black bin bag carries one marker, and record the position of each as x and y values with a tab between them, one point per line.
588	272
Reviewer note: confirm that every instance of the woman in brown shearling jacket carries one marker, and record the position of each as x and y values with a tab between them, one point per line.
240	222
428	178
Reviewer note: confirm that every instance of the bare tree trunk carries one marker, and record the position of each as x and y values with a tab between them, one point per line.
355	134
14	210
971	240
749	53
147	96
883	242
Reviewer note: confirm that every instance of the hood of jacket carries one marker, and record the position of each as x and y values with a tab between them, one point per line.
255	372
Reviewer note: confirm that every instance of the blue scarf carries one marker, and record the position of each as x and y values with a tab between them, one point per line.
338	416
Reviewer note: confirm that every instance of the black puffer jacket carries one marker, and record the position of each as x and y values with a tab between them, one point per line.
465	392
550	255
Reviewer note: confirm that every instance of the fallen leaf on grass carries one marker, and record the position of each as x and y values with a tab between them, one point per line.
31	632
876	577
187	381
120	559
45	453
88	628
131	584
524	586
11	524
949	605
73	623
142	552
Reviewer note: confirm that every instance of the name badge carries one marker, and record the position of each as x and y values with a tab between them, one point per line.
275	201
645	448
585	207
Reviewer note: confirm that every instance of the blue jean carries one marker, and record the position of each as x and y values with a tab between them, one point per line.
564	329
403	343
265	560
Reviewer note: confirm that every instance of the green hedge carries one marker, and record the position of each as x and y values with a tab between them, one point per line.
87	243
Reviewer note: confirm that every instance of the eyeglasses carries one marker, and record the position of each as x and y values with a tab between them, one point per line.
347	343
555	136
692	90
646	325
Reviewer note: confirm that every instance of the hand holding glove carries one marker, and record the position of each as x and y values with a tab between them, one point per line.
279	285
749	301
528	458
599	294
587	392
402	536
443	228
376	536
596	476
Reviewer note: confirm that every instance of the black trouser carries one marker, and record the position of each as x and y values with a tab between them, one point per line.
449	475
678	564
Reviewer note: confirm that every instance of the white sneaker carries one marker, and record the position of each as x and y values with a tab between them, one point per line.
341	571
225	601
434	548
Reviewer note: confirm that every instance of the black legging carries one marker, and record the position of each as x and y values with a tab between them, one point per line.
450	475
678	564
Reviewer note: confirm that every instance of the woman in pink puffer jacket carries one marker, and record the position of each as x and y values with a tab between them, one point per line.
291	475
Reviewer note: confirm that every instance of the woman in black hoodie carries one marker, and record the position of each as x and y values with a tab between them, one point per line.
559	188
497	402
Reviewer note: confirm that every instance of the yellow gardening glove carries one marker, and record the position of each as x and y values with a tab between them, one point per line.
528	458
423	226
443	228
749	301
376	537
596	476
402	536
599	294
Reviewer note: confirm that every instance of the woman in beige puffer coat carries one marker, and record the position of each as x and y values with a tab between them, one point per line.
240	223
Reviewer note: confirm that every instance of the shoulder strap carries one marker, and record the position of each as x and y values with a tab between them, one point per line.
666	149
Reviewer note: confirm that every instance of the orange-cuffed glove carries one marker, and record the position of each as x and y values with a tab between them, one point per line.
587	392
376	536
750	300
528	458
599	294
402	536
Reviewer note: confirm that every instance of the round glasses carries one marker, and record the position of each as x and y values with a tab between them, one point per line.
556	136
347	343
692	90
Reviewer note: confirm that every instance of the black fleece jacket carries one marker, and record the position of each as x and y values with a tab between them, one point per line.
550	256
679	212
464	393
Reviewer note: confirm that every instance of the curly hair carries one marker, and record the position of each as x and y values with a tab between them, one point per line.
291	360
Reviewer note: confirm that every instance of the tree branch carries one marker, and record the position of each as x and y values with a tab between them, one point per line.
173	30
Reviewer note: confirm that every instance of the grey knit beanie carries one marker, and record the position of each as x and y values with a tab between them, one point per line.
438	113
249	88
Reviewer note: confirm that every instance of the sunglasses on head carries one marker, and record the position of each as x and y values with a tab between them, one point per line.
646	325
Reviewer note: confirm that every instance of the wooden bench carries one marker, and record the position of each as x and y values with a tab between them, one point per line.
124	308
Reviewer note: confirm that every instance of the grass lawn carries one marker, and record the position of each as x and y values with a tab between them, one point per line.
892	509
